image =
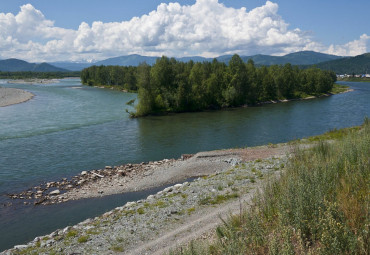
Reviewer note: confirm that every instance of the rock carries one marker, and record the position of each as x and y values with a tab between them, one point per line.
108	167
150	197
177	186
50	184
186	156
67	229
107	214
18	247
169	189
84	173
232	161
39	192
69	186
130	204
85	222
54	192
121	172
88	227
53	234
81	182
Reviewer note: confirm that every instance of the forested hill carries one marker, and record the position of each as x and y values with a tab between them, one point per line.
174	86
16	65
351	65
297	58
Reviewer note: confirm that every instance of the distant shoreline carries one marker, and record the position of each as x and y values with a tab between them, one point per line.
10	96
33	81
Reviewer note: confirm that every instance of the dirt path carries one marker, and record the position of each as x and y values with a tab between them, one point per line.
198	226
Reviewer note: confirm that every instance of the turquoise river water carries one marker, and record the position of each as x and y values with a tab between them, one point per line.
67	128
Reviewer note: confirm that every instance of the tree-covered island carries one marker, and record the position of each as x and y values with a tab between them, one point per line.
173	86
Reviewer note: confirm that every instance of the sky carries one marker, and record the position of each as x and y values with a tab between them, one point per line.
91	30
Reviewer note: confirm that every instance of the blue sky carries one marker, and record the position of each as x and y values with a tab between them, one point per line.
48	30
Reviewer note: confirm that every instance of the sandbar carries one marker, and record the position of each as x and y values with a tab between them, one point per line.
9	96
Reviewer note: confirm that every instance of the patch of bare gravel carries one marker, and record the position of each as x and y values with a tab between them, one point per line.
9	96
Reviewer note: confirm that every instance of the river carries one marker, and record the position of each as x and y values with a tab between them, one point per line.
67	128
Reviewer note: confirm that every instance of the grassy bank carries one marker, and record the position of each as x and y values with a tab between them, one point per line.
338	88
355	79
320	205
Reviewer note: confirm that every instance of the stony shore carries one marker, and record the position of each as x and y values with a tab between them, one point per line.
175	215
9	96
134	177
33	81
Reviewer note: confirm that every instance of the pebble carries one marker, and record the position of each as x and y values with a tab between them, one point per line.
18	247
177	186
150	197
55	192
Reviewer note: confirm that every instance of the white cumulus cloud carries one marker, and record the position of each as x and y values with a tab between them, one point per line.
206	28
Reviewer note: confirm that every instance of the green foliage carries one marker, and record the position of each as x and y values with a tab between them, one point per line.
337	88
140	210
117	248
38	75
173	86
207	200
83	239
72	233
124	77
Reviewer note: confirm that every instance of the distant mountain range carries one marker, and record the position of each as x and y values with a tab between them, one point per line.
16	65
340	65
298	58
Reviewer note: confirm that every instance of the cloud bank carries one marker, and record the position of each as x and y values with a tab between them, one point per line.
206	28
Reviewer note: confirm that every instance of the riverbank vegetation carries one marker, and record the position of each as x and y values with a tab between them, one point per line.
173	86
355	79
37	75
320	205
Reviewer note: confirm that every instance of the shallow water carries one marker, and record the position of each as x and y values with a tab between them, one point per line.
67	128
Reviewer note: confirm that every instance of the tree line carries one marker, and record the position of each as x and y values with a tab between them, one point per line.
38	75
174	86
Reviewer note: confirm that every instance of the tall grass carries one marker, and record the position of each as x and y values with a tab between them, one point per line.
320	205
